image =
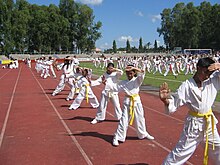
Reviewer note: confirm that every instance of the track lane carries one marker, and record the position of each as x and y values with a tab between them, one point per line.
8	81
9	109
34	135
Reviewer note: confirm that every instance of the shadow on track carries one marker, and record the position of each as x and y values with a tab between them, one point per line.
89	119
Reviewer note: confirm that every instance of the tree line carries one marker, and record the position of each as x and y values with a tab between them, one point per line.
142	48
189	26
28	27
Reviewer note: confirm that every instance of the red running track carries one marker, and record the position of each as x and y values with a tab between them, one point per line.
38	129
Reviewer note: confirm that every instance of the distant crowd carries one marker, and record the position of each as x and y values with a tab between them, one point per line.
185	63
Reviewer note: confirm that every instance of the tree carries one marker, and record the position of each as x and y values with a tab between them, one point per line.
140	46
114	47
190	32
58	38
128	47
166	28
134	49
6	39
87	31
39	29
206	32
20	22
148	45
155	45
188	26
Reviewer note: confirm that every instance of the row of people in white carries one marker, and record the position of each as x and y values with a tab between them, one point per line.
175	64
198	93
14	64
45	66
110	79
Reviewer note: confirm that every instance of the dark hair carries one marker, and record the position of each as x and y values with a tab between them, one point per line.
135	75
130	65
205	62
110	64
85	72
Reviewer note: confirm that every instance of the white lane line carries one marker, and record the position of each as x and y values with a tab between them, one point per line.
163	114
88	161
9	109
5	74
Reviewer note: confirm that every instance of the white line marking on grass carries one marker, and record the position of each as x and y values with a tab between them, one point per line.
65	125
5	74
163	79
9	109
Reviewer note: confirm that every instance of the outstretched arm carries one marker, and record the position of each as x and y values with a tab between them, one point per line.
214	66
129	68
164	93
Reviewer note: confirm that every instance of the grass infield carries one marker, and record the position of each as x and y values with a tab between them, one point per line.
151	79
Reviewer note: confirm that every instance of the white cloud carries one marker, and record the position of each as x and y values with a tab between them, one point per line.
154	18
139	13
104	46
91	2
125	38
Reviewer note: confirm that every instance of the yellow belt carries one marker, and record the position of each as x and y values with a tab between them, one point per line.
110	94
206	116
131	112
87	92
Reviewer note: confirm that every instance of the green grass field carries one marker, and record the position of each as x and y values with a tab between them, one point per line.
154	80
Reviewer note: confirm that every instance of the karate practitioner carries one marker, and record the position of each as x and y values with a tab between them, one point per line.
85	92
50	63
198	93
110	78
67	77
132	106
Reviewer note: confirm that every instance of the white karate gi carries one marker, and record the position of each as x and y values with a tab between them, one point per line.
131	87
82	84
50	64
109	92
197	100
66	77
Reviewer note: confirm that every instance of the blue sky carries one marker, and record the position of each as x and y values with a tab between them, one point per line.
127	19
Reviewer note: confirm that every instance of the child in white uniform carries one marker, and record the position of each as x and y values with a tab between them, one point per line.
198	93
67	77
85	92
132	106
110	78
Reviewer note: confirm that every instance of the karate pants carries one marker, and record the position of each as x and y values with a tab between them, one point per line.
101	113
80	97
139	123
187	145
61	86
